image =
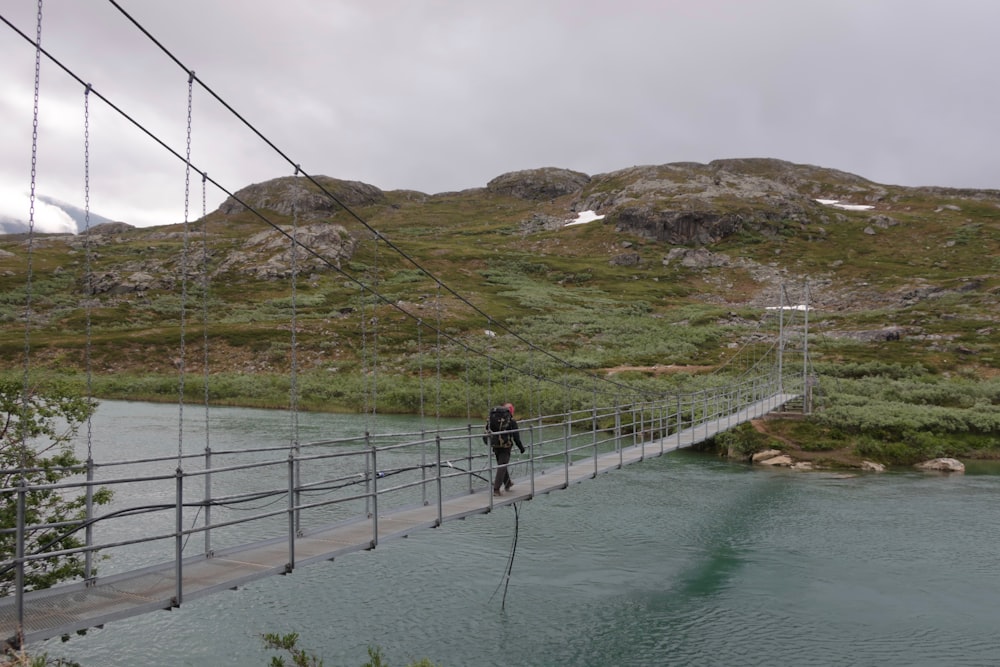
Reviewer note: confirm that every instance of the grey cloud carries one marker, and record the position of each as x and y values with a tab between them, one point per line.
445	95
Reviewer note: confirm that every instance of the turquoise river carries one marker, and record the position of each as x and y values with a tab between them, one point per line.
683	559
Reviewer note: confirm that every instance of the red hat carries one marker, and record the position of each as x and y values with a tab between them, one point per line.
510	406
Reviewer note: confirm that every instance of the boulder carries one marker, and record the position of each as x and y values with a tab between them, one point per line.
783	460
760	457
942	465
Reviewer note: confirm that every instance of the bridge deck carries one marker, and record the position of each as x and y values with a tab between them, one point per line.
65	609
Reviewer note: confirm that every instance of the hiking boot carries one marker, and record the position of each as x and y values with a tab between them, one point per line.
509	485
496	492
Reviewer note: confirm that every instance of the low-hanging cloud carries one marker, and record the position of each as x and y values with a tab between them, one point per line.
15	205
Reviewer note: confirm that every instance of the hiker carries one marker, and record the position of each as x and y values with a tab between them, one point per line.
502	434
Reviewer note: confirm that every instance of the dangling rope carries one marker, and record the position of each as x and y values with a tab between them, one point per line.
505	581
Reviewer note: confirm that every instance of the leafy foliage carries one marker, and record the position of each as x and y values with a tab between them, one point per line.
742	441
913	417
288	643
37	425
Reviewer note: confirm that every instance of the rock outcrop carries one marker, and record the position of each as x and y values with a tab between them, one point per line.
268	254
538	184
296	195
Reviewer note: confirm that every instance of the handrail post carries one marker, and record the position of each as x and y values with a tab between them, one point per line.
208	503
642	434
468	465
178	537
374	495
290	565
22	503
566	437
680	421
635	436
662	410
593	429
88	564
423	465
730	401
618	436
490	461
440	493
368	473
531	455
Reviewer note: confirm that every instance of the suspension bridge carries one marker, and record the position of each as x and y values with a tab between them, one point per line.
186	525
334	497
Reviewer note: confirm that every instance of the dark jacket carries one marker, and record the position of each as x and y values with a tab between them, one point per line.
512	432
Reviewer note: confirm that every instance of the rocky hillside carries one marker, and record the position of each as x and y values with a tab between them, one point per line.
657	243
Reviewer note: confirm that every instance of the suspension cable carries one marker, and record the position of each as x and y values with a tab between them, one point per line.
26	386
375	329
88	292
293	389
420	369
437	331
205	364
184	274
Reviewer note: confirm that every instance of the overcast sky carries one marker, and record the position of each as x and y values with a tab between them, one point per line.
442	95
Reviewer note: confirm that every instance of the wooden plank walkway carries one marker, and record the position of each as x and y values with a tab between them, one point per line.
74	607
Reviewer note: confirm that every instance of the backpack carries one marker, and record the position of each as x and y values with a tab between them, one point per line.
499	420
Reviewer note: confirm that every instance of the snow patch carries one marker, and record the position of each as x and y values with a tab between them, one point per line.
847	207
584	217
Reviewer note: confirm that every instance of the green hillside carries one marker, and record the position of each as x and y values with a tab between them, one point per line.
675	276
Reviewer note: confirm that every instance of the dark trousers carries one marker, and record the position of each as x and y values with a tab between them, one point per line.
502	455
